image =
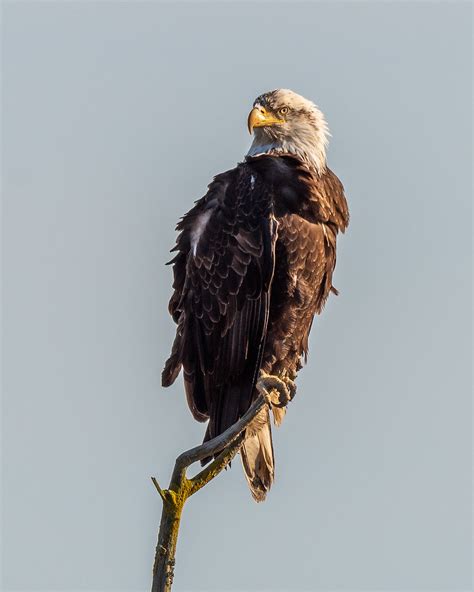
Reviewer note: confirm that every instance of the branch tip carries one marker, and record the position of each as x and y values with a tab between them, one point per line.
158	488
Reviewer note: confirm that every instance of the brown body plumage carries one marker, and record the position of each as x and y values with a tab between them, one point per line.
254	264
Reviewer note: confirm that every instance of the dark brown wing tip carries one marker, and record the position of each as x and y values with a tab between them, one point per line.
170	371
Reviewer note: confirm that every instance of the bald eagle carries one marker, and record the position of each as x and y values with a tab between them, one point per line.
254	263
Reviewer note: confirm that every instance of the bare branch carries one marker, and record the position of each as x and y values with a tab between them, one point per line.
158	489
214	446
273	391
217	465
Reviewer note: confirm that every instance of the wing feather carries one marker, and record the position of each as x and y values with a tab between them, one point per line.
222	281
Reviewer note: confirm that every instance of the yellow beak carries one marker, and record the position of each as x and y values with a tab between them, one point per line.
260	117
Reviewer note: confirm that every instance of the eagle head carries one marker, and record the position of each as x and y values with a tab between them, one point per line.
284	122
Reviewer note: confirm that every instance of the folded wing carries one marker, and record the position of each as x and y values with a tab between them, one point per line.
223	272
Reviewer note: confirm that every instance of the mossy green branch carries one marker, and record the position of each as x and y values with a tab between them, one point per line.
223	448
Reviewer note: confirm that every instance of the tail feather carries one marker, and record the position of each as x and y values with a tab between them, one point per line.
257	449
224	411
257	457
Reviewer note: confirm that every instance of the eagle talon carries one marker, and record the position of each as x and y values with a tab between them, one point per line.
266	395
291	387
274	390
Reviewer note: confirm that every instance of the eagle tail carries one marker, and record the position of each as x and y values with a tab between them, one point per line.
257	457
228	403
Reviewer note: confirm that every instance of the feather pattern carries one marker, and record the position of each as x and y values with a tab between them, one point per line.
253	265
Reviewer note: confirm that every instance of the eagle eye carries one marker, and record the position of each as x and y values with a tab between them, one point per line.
283	111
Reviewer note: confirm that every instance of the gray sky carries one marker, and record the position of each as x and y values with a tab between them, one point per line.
116	116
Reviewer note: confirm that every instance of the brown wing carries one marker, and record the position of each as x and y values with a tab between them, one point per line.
310	210
223	271
327	199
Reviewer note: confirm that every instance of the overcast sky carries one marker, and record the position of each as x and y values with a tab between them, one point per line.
116	116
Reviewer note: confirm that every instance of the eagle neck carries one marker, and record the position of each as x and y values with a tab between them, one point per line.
316	167
315	160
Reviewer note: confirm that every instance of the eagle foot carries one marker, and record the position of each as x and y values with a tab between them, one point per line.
291	386
274	390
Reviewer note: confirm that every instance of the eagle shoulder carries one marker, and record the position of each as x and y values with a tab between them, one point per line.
298	189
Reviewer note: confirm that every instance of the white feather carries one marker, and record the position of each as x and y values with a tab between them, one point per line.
198	229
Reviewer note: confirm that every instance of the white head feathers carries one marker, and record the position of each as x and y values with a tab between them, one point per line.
296	126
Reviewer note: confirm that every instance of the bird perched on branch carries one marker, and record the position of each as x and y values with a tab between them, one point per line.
254	263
